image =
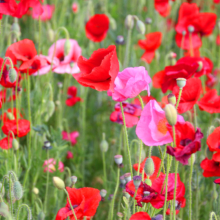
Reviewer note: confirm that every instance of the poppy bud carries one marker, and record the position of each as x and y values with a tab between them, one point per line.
4	210
120	215
140	27
193	158
50	110
209	153
113	23
103	194
181	82
118	160
73	180
15	144
12	74
17	190
191	29
67	47
148	182
137	181
104	144
127	177
41	216
171	114
149	166
120	40
58	183
171	99
148	20
35	191
129	22
15	28
200	63
51	35
211	129
143	155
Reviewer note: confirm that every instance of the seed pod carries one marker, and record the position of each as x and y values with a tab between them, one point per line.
137	181
17	190
149	166
58	183
171	114
181	82
118	159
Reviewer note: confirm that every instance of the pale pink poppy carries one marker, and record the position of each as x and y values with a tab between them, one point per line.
67	64
50	63
70	136
47	13
130	82
49	165
69	155
75	7
151	128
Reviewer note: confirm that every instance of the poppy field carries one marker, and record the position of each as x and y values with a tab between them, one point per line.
110	110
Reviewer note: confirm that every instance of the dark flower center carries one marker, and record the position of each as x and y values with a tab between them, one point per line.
2	1
185	142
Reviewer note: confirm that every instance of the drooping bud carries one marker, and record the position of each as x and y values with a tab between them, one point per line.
149	166
12	74
17	190
10	116
137	181
140	27
148	182
119	160
35	190
15	28
113	23
209	153
127	177
171	114
41	216
129	22
191	29
200	63
104	144
171	99
50	110
58	183
181	82
103	194
51	35
15	144
120	40
67	47
4	210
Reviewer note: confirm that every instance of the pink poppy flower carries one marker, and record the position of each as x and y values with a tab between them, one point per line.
151	128
49	165
70	136
69	155
47	13
67	64
130	82
75	7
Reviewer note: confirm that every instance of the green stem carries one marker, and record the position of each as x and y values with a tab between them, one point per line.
190	189
179	97
212	214
126	136
104	168
70	204
47	184
134	201
195	119
28	209
127	51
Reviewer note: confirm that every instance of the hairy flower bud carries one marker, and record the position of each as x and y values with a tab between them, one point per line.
148	182
41	216
171	114
50	35
104	146
15	28
15	144
4	210
10	116
50	110
140	27
35	191
129	22
58	183
12	74
17	190
149	166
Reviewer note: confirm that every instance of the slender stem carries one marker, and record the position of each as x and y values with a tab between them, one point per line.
47	184
195	119
114	196
179	97
70	204
126	58
134	201
190	189
162	162
127	143
212	214
19	209
104	168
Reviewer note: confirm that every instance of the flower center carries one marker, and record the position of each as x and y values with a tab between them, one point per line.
161	126
185	142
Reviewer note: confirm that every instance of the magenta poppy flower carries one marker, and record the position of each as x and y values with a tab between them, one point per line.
49	165
72	99
67	63
69	155
70	136
151	128
47	13
131	82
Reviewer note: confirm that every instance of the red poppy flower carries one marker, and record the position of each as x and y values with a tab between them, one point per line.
100	70
217	181
4	144
85	201
145	99
195	51
23	51
150	45
163	7
210	102
11	125
131	113
188	141
180	203
213	140
72	99
14	113
203	24
190	94
11	7
206	64
211	168
157	162
140	215
166	79
97	27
